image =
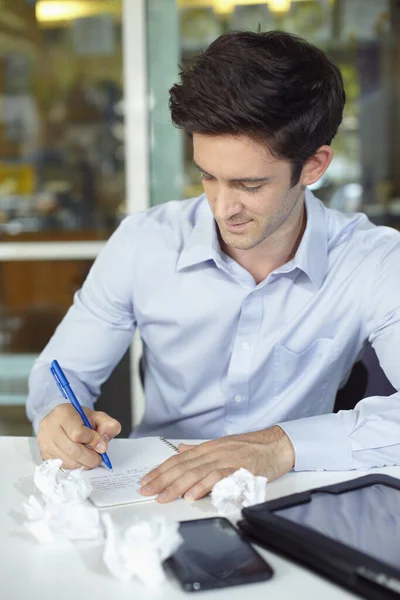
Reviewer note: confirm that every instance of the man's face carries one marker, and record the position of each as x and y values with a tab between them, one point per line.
248	189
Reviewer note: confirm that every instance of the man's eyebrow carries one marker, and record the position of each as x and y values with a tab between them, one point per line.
237	179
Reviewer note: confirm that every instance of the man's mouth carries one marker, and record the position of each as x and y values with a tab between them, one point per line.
237	226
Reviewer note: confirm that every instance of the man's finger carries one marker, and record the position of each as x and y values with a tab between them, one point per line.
80	434
106	426
205	486
184	447
56	450
177	481
194	453
82	454
73	455
67	463
170	466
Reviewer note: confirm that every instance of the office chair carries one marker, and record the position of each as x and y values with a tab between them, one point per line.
366	379
354	389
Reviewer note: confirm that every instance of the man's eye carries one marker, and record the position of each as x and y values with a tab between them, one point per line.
252	190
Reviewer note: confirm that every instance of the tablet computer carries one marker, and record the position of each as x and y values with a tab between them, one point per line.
348	532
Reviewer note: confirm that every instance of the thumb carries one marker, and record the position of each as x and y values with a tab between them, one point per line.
184	447
106	426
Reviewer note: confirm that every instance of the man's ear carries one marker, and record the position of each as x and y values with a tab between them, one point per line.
316	166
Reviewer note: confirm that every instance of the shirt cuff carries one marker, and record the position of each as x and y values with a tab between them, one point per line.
320	443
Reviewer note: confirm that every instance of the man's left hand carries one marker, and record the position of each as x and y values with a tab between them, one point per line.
196	469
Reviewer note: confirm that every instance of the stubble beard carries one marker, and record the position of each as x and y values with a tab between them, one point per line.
263	230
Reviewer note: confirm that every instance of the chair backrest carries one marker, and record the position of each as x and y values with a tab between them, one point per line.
367	378
378	383
354	389
115	397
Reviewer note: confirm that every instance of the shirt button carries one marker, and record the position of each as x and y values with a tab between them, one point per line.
245	346
238	399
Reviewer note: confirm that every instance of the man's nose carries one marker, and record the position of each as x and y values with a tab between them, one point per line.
226	205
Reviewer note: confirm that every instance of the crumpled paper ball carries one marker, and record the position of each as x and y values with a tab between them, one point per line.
238	490
61	486
62	514
140	548
61	521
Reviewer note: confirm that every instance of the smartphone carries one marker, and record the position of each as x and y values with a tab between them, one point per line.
214	554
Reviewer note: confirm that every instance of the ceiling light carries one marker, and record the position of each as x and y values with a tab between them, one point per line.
224	6
279	6
68	10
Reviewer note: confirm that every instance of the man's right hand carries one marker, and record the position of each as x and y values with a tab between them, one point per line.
62	434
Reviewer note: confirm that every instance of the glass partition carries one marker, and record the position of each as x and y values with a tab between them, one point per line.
61	119
62	175
34	296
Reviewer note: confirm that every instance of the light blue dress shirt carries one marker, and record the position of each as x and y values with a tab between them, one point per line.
224	355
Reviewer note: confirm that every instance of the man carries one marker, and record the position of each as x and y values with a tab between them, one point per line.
253	301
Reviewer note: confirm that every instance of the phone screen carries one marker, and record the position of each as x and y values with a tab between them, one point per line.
214	554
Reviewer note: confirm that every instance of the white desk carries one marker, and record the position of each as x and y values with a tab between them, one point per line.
76	571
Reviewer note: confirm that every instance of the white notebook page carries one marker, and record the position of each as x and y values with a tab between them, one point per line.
131	460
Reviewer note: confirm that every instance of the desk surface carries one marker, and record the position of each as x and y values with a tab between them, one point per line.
65	571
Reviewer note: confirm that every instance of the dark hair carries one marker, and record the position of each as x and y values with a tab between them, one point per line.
274	87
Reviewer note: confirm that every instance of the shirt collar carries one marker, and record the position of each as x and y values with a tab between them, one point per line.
202	243
311	256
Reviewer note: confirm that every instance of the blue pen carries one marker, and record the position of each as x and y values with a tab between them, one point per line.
67	392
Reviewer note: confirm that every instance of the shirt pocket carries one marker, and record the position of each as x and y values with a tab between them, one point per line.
304	377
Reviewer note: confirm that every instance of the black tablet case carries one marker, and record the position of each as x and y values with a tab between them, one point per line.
354	570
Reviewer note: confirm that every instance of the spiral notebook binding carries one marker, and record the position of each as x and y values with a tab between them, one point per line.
169	444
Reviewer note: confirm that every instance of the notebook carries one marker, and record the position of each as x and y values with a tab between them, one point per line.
131	460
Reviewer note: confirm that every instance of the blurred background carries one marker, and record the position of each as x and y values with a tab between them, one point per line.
86	138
